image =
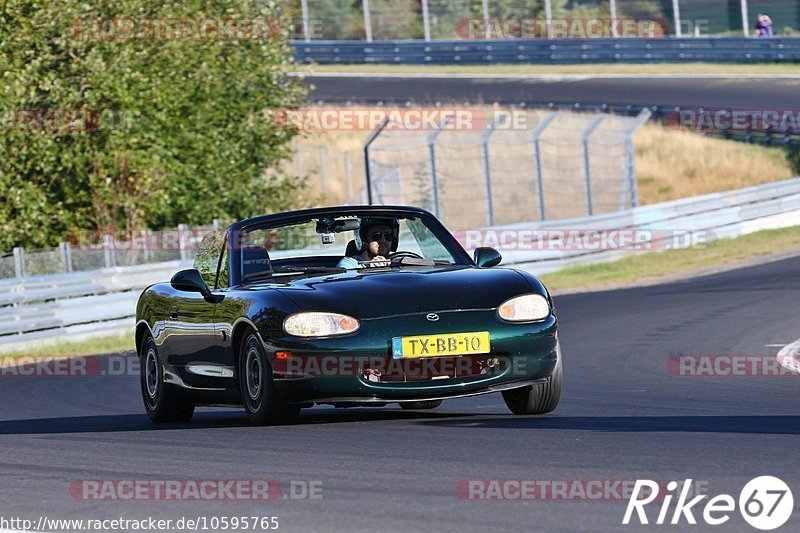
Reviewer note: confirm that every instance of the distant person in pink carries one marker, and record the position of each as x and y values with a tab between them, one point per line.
764	26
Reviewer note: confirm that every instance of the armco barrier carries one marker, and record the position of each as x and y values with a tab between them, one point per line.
550	51
723	215
105	300
81	302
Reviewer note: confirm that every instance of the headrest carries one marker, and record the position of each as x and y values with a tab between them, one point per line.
255	259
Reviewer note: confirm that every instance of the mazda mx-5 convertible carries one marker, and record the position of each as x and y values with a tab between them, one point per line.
347	306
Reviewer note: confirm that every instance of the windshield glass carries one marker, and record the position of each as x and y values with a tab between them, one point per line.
325	244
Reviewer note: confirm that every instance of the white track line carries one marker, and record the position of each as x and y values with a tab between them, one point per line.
788	356
544	77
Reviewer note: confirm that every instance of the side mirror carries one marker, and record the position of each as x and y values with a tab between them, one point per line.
190	280
487	257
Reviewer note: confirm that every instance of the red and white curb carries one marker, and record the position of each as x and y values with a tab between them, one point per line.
789	356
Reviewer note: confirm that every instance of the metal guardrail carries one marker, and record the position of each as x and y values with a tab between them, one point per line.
46	306
550	51
105	300
718	215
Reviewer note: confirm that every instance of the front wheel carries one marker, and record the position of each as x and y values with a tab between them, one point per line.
260	397
539	398
162	401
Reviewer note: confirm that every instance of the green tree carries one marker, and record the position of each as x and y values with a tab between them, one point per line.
104	129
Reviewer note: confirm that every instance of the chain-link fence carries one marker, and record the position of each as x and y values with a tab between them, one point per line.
562	165
545	165
331	173
458	19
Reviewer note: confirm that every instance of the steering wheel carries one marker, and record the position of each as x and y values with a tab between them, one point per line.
397	255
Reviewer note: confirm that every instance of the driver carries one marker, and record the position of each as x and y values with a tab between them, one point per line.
378	237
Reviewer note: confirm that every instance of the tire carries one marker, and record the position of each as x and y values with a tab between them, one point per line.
162	401
261	400
540	398
431	404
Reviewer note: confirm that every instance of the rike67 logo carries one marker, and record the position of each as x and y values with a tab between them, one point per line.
765	503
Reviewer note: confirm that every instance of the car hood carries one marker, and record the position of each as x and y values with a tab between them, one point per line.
364	294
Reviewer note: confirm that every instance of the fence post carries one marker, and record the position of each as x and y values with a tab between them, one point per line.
487	31
612	6
487	173
19	262
426	21
587	172
630	159
66	256
108	249
548	14
676	14
745	19
537	145
367	166
367	22
147	237
183	230
304	12
432	165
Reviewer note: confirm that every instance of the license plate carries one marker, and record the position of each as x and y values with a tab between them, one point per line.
441	345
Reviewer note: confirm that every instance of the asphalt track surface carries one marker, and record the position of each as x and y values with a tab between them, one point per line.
622	417
708	92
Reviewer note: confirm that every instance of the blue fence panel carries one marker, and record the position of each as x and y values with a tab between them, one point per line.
556	51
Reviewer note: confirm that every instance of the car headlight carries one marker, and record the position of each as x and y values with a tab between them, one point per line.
524	308
319	324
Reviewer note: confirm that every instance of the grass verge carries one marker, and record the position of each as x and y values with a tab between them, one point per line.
654	265
654	68
93	346
673	164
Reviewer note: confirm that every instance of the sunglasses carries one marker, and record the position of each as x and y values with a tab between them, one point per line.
388	235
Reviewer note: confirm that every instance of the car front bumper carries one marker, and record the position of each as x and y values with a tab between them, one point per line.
340	369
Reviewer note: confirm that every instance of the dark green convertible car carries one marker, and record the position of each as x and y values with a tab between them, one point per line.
347	306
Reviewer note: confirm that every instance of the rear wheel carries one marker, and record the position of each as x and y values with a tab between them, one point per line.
431	404
260	397
540	398
162	401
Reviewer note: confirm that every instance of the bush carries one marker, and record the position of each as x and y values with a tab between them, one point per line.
793	155
104	131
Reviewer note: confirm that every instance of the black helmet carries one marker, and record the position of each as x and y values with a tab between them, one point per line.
368	223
